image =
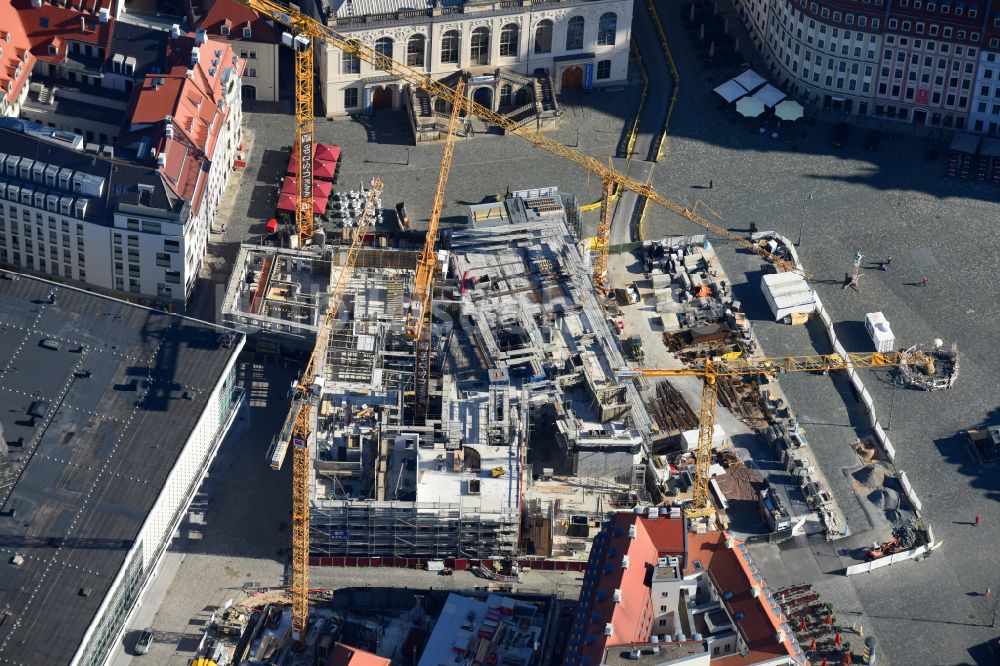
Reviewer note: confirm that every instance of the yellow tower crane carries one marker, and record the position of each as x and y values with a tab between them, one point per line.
303	32
307	29
418	315
710	369
304	396
419	310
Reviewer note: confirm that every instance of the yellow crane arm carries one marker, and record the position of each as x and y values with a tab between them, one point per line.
301	24
300	429
419	308
739	367
709	369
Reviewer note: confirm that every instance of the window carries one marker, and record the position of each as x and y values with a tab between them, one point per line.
349	63
603	69
383	45
508	41
350	98
174	277
163	259
543	37
415	49
506	95
480	46
893	23
171	246
247	33
574	34
449	47
251	73
607	29
224	30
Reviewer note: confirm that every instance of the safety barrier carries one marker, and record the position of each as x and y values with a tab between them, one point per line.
865	567
630	141
855	378
674	74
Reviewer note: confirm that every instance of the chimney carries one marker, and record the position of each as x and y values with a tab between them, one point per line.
168	130
175	31
161	160
195	56
200	37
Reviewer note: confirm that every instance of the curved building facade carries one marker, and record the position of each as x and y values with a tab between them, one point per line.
926	62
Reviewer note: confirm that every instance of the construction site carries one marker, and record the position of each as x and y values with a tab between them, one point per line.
422	454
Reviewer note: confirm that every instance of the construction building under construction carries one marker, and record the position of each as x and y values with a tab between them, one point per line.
508	437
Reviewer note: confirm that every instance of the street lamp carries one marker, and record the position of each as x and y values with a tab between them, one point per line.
802	222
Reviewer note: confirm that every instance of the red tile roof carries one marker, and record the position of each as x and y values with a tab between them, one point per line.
345	655
236	15
51	24
16	53
191	95
729	568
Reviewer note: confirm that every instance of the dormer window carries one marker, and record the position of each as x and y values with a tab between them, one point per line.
224	31
53	50
247	33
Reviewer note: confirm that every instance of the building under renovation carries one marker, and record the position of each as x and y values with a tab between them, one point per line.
507	435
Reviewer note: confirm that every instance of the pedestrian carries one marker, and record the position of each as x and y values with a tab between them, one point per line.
978	519
923	281
710	183
888	261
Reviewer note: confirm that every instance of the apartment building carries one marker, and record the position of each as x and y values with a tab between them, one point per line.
821	52
580	45
255	39
137	224
918	61
16	61
984	114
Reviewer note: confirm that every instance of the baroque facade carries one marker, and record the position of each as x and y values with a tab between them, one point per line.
926	62
578	44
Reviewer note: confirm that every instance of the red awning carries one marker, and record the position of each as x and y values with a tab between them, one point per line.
272	225
286	201
321	188
319	204
325	170
326	152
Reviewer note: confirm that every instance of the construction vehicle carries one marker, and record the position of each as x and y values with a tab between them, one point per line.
303	31
710	369
879	550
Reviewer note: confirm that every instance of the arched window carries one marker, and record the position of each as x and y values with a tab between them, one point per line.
574	34
543	37
384	46
415	49
506	96
441	106
480	46
607	29
508	41
449	47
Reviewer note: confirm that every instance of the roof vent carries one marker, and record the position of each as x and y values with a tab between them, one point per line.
727	596
624	561
631	531
618	596
85	591
17	560
608	629
195	56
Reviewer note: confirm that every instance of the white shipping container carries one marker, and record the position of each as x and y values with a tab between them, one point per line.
786	294
880	331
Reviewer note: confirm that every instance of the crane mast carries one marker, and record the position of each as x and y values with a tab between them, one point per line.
304	398
419	310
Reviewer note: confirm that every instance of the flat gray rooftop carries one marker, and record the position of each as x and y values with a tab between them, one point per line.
97	400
